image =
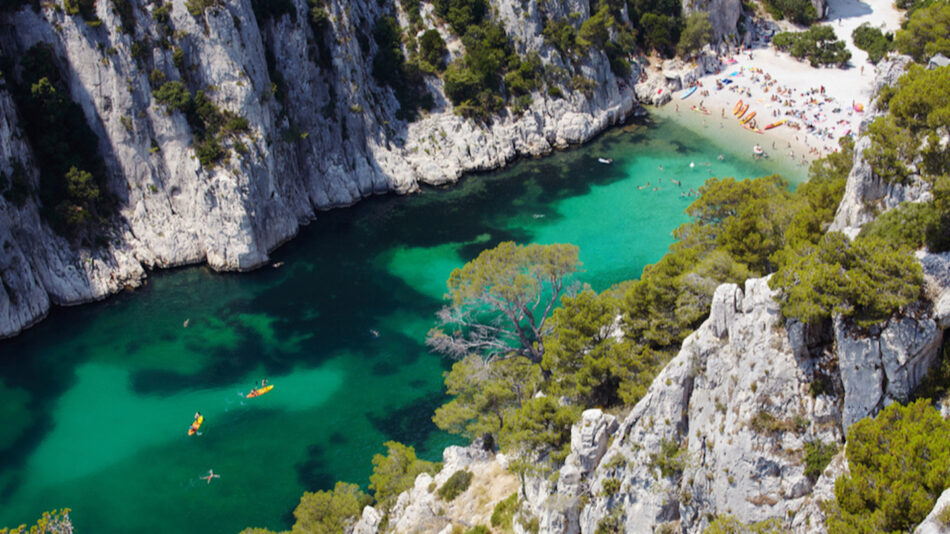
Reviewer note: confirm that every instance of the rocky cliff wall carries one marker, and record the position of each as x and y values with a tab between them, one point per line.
332	140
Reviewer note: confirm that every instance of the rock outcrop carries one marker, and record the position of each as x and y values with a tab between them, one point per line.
866	194
723	428
936	521
421	509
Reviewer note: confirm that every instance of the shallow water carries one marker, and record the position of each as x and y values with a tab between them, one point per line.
96	400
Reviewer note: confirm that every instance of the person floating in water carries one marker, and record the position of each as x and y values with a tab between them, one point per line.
210	476
374	332
197	415
263	382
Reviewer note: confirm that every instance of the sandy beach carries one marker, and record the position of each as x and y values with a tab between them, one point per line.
819	105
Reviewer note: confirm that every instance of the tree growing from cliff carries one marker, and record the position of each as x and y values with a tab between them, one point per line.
697	32
396	472
899	464
500	302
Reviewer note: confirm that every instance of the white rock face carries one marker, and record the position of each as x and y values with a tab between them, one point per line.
334	139
932	524
884	366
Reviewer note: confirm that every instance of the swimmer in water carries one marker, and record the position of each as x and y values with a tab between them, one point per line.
721	157
210	476
692	164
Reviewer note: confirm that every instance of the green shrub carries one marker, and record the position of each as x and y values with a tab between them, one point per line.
925	32
865	280
918	105
798	11
504	513
670	459
904	226
461	14
396	472
391	68
609	487
455	485
817	457
478	529
432	48
330	511
899	463
873	41
697	33
818	45
173	95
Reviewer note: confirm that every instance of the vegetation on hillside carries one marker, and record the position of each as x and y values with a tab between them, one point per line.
798	11
211	125
926	31
72	173
899	463
331	512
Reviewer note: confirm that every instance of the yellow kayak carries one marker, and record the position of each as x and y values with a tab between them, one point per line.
259	392
196	425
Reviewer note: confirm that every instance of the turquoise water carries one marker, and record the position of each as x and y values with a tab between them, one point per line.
96	400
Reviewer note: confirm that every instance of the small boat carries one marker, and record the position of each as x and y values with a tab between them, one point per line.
743	110
193	429
738	106
775	124
688	92
257	392
605	161
748	118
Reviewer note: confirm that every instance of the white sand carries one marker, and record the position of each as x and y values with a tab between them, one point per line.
798	88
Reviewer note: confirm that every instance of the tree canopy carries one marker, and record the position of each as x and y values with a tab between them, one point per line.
500	302
899	463
927	32
329	512
396	472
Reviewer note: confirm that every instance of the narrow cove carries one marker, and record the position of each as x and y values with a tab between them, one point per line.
96	400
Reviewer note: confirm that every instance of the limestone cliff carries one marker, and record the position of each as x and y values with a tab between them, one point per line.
724	426
333	139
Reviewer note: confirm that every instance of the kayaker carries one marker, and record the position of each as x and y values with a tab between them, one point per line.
263	382
197	415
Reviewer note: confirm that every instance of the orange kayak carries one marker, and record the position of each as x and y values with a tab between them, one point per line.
735	110
259	392
748	117
196	425
743	110
774	124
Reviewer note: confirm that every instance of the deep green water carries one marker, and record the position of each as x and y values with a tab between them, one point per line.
96	400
